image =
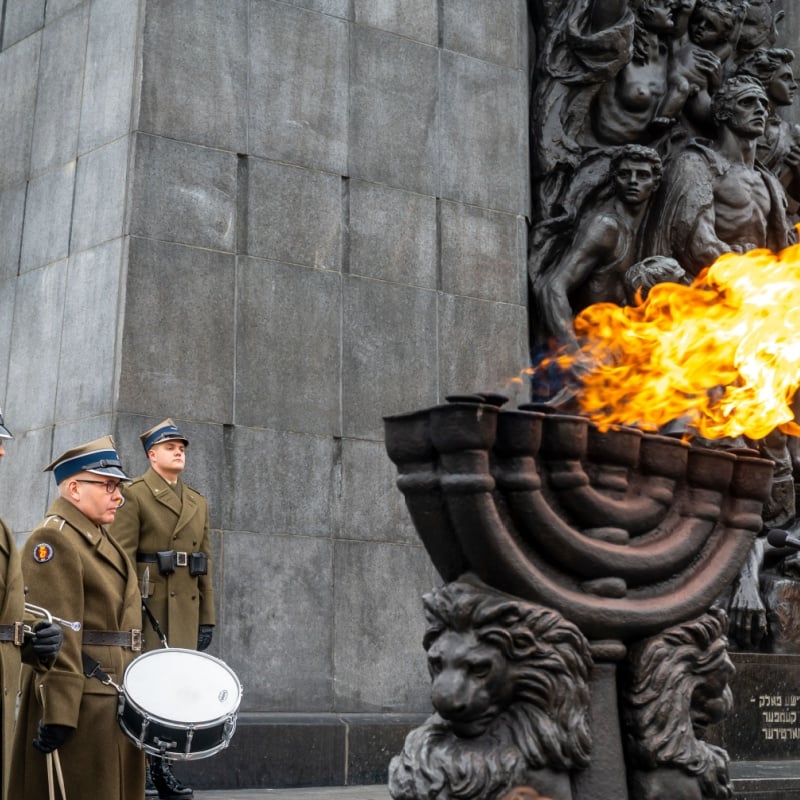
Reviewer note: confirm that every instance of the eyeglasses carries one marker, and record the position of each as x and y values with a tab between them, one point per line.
111	486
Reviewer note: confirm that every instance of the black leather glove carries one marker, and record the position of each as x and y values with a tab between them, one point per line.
47	639
204	635
51	737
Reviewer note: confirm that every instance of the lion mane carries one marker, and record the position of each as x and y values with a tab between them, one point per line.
544	727
664	673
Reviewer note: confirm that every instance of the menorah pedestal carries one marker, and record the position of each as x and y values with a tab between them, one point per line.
605	777
762	733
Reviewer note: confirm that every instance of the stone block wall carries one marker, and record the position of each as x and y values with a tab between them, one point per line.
275	222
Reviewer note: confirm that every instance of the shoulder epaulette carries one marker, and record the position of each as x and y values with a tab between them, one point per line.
54	521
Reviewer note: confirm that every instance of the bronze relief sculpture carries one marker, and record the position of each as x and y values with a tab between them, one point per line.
593	578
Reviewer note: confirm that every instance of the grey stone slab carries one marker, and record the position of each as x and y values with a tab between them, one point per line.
298	86
393	111
287	368
106	108
264	752
480	253
19	68
372	741
35	346
204	457
27	454
22	18
416	19
12	212
392	234
284	482
484	139
491	30
100	190
178	336
58	99
48	213
278	600
294	215
183	193
483	345
389	362
196	51
379	661
55	8
336	8
88	339
373	508
8	292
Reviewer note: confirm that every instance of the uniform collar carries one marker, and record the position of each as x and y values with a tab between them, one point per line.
75	518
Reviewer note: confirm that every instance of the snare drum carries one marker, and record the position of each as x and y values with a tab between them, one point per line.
179	704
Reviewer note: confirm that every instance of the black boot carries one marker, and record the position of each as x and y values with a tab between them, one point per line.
149	787
169	787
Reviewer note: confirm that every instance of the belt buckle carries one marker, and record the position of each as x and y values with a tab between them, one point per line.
19	633
136	640
181	559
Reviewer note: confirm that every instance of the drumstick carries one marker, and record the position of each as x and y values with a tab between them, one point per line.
59	774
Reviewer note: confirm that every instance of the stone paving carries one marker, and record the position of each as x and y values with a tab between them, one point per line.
316	793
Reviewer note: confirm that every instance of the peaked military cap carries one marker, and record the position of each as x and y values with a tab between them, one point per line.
5	433
98	456
163	432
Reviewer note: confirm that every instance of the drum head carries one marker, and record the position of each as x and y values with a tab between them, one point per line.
182	685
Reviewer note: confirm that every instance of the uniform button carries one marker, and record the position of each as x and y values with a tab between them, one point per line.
172	594
194	597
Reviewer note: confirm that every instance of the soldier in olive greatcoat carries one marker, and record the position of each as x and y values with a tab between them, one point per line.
14	645
163	526
76	570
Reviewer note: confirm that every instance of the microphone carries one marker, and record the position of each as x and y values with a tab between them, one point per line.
778	538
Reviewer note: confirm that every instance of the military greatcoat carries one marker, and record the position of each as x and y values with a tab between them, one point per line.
12	601
77	571
156	518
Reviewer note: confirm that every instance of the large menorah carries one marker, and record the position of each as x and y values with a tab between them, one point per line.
624	533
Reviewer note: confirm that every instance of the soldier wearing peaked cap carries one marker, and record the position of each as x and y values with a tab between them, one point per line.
163	526
13	644
76	570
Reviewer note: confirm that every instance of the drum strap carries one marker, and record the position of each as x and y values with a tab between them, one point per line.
92	669
154	622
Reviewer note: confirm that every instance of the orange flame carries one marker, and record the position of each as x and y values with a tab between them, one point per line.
723	353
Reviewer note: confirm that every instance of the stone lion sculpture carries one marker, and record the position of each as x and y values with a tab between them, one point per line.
511	694
676	685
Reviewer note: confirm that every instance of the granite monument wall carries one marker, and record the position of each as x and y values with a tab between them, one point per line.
275	222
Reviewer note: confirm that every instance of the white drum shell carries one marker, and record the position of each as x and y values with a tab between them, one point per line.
180	704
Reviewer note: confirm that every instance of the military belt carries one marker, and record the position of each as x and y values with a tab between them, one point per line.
132	638
15	632
181	558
